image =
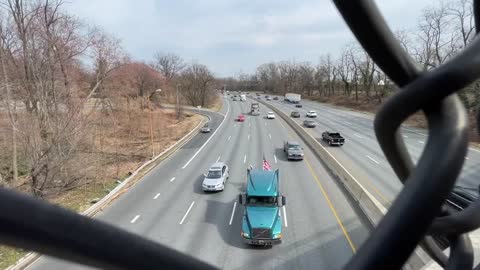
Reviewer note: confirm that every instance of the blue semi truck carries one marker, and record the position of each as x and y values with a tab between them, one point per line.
261	222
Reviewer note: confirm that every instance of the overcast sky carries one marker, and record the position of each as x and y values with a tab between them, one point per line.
232	36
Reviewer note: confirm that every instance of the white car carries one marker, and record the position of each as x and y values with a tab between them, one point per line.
215	178
270	115
312	114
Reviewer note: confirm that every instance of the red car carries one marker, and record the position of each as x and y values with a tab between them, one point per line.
241	118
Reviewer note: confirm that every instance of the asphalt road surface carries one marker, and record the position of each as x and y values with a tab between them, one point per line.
321	229
362	155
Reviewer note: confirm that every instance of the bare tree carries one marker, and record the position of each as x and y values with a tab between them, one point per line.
168	64
197	82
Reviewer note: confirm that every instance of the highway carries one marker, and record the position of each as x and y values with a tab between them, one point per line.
362	155
321	229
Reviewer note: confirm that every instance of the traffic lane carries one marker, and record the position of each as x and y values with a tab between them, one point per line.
303	244
379	177
373	157
200	230
340	204
125	212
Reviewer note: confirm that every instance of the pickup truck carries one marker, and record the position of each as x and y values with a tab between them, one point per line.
293	150
333	138
261	222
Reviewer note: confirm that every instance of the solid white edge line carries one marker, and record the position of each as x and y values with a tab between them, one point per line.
270	135
245	158
356	135
422	142
156	196
285	216
134	219
186	214
216	130
373	159
233	213
173	179
275	157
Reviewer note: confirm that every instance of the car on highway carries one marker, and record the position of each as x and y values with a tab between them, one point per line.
295	114
312	114
205	129
275	98
241	118
293	150
298	105
333	138
309	123
268	98
270	115
216	177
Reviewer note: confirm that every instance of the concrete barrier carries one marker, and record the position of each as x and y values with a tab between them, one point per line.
372	209
31	257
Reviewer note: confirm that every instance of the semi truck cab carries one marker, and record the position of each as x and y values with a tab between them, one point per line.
261	221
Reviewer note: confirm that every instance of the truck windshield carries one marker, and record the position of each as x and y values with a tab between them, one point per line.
262	200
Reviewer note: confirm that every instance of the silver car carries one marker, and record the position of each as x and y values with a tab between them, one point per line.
205	129
215	178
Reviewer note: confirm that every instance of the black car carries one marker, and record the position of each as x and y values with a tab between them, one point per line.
275	98
298	106
295	114
459	199
309	123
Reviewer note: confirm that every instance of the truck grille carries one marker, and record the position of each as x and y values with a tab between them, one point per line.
264	233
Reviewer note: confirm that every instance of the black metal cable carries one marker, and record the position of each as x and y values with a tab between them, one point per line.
430	182
32	224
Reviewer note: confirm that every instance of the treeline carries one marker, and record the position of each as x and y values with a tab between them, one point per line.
442	30
66	86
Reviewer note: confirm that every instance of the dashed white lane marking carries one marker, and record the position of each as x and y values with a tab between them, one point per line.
186	214
422	142
248	138
373	159
356	135
218	158
285	216
173	179
206	142
249	124
156	196
229	137
245	158
275	157
466	158
405	136
134	219
233	213
265	123
270	135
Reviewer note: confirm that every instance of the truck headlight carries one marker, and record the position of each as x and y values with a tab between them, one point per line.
277	236
244	234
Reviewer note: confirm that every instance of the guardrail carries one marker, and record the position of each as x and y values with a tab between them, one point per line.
368	204
31	257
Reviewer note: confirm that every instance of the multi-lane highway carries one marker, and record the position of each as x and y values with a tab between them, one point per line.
321	229
362	155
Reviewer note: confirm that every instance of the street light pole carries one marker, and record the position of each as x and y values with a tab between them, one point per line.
178	105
